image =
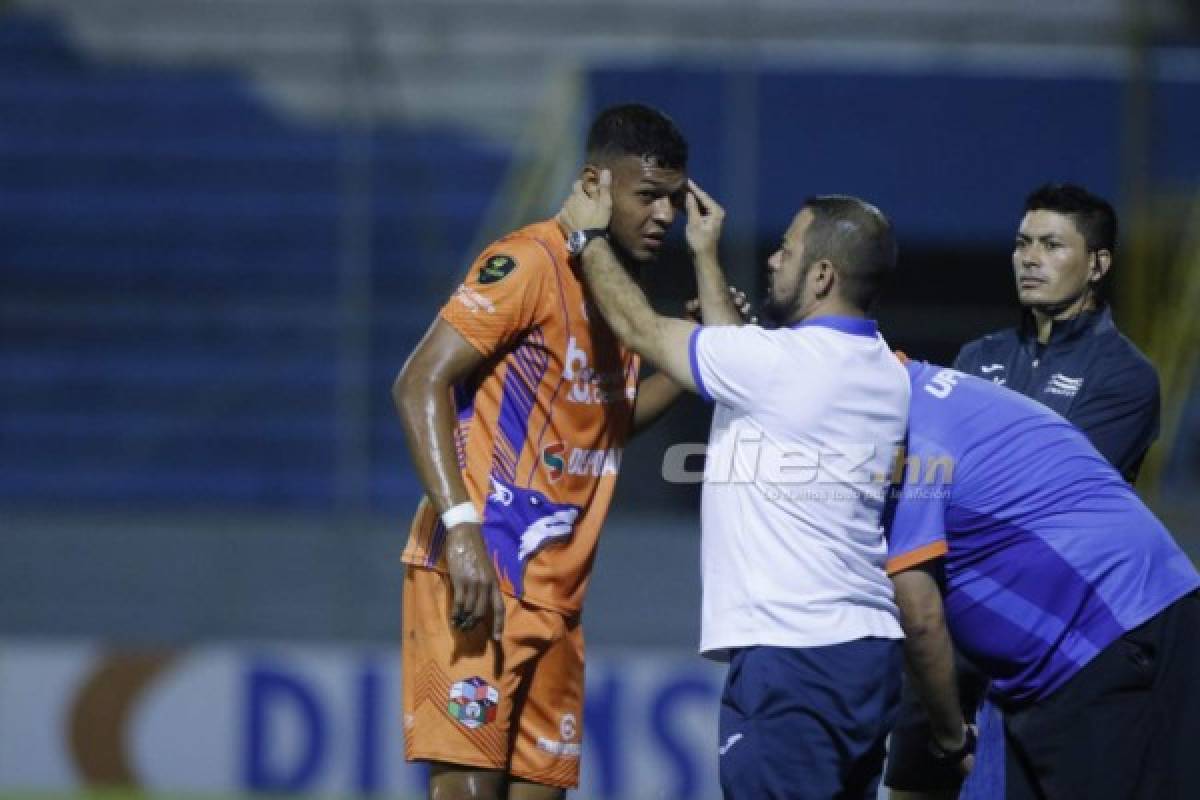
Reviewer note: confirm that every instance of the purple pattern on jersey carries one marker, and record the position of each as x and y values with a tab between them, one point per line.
464	400
526	366
518	523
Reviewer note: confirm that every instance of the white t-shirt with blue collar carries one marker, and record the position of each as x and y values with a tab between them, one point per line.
807	422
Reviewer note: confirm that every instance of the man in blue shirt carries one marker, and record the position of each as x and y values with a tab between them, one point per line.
1058	584
1067	354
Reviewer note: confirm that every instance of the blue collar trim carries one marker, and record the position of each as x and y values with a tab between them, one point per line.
858	326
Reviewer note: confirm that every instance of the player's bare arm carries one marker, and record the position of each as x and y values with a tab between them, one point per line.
662	341
705	219
930	655
422	394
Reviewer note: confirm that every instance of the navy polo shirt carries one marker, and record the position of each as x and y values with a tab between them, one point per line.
1088	372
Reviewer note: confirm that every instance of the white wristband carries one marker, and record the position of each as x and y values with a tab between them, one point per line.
463	512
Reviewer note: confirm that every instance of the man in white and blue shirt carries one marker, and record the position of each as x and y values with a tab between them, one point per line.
808	419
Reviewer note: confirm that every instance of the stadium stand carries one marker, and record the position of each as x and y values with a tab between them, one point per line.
170	251
185	185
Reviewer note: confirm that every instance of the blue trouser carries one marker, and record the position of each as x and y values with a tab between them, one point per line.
808	723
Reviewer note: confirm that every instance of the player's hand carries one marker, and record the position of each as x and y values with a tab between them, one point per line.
588	207
704	220
693	311
942	750
473	580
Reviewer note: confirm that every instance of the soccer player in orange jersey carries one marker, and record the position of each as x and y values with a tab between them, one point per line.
517	404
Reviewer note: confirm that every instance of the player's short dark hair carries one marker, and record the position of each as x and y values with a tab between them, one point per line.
637	130
1092	215
857	238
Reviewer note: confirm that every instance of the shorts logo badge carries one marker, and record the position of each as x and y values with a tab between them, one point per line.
564	746
496	268
473	702
567	727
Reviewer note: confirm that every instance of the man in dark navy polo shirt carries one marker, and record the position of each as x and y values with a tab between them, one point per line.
1067	354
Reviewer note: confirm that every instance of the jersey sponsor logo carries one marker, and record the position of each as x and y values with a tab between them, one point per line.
603	389
473	702
552	460
473	300
1064	385
594	463
589	387
496	268
988	369
576	362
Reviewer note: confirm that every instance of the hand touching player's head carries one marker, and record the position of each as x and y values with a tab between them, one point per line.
647	156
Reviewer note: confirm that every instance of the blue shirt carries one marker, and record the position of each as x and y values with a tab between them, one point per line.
1048	554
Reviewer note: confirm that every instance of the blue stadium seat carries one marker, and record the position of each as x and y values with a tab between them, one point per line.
170	248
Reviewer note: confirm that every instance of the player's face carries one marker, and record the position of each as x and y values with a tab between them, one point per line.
786	272
645	200
1051	262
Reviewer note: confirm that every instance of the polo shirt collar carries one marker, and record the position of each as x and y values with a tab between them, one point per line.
1086	322
857	326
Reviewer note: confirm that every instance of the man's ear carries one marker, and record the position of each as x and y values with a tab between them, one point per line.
1099	264
824	276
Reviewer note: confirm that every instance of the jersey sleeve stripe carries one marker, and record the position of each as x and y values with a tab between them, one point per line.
919	556
695	364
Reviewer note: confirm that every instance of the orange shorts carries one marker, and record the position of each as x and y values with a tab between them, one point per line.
515	706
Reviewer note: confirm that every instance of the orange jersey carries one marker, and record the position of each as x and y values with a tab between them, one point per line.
542	425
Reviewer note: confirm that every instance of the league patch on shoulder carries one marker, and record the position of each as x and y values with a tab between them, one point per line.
497	268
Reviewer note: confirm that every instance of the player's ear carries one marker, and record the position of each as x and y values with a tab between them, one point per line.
1099	264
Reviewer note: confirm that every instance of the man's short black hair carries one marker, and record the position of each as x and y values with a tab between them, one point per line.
637	130
858	239
1092	215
